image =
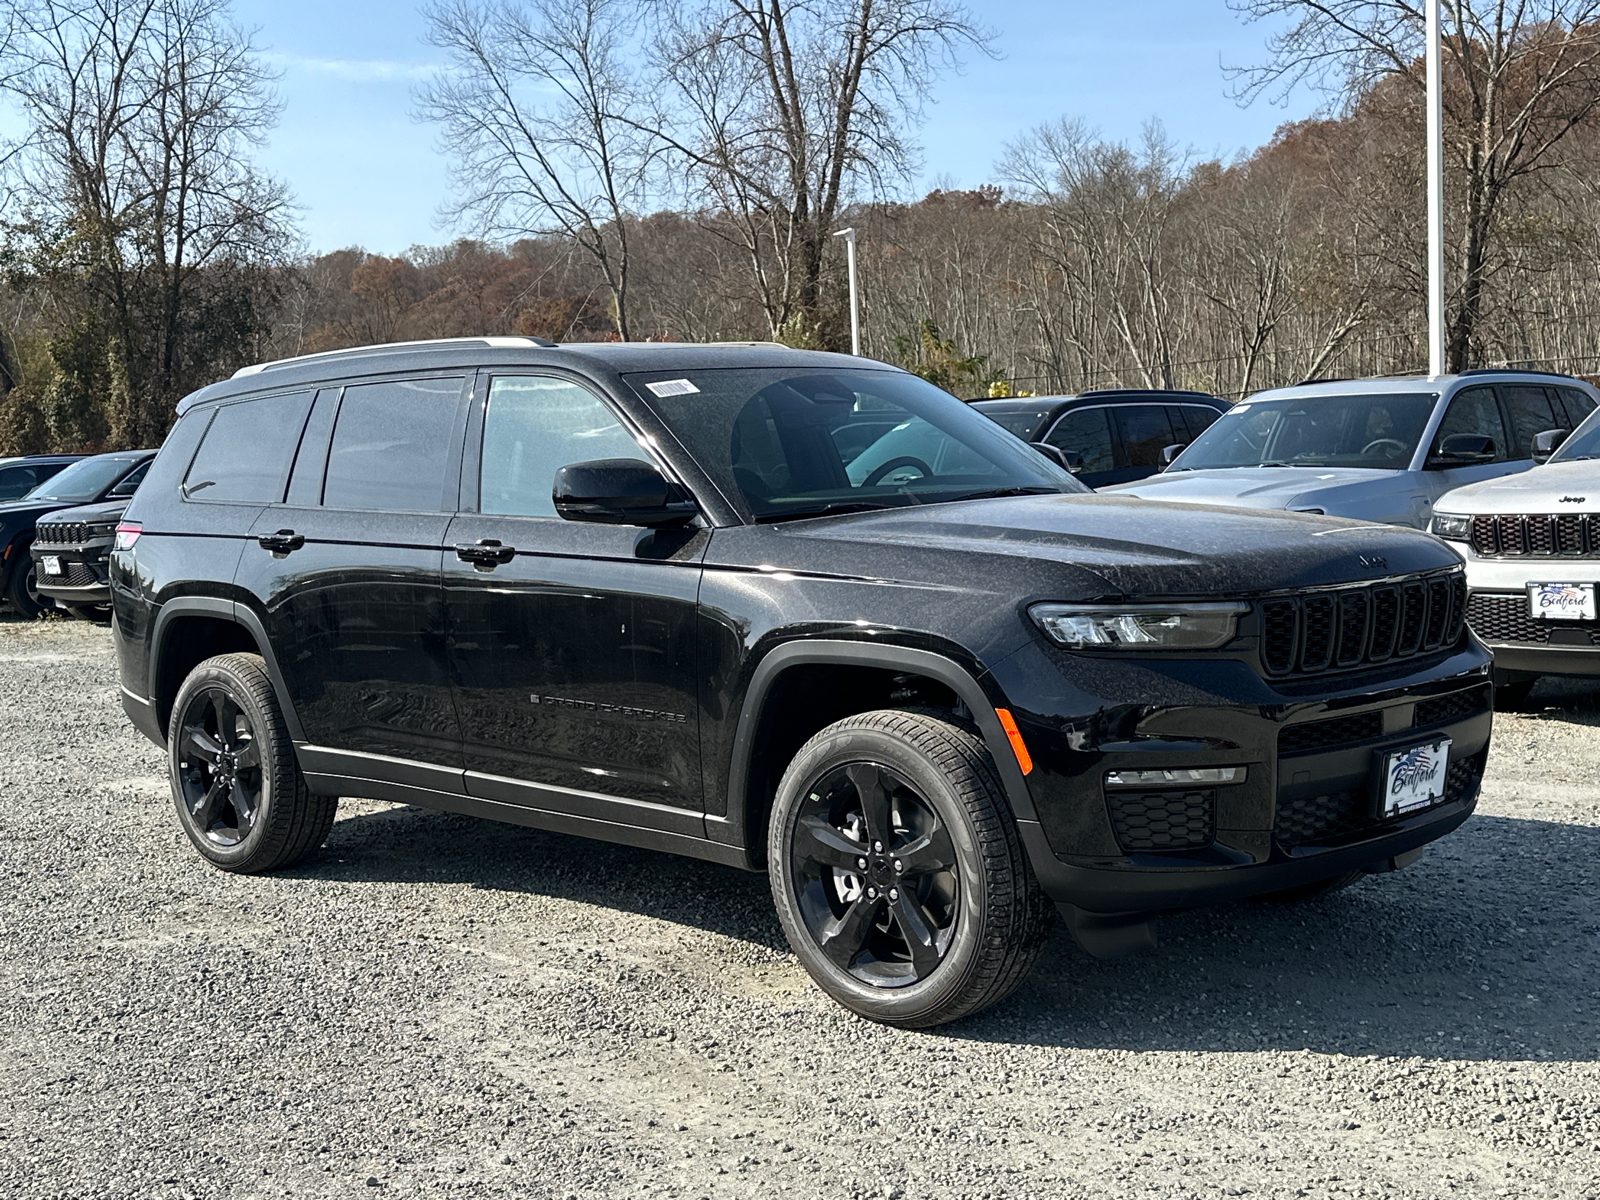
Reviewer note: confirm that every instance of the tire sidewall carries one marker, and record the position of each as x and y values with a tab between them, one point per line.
265	727
950	979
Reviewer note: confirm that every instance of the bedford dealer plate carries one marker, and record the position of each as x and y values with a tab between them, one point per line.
1561	601
1414	778
51	564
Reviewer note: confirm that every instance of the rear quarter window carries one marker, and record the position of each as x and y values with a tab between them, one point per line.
245	454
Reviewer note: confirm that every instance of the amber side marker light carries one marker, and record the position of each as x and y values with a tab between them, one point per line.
1014	736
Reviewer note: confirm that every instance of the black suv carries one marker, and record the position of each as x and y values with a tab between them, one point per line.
19	476
636	592
1115	435
104	477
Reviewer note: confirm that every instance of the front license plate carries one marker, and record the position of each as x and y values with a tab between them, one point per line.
52	564
1561	601
1414	778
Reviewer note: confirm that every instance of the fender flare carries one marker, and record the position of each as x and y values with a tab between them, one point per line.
238	614
733	826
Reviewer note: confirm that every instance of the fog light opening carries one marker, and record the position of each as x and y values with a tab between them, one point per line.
1176	777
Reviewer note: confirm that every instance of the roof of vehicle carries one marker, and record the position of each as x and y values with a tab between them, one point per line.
472	353
1018	404
41	458
1389	385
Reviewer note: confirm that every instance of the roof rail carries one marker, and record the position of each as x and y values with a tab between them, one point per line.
1325	379
517	341
1515	371
1146	392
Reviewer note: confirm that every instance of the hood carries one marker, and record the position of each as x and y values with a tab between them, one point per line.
89	514
1557	487
1257	487
19	515
1104	546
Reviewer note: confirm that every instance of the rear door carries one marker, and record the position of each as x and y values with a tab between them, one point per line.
574	655
1085	436
345	571
1144	430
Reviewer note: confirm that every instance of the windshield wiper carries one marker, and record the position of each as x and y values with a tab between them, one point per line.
822	510
998	493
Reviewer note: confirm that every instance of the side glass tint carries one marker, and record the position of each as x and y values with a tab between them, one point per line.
130	483
535	426
1197	417
1475	411
1146	432
1578	404
1086	434
17	481
244	455
1531	413
391	446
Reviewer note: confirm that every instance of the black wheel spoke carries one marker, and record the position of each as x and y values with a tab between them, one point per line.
872	788
842	938
932	851
200	743
244	809
247	755
822	843
205	809
227	721
919	930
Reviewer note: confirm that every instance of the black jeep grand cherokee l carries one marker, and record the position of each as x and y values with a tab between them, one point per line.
638	592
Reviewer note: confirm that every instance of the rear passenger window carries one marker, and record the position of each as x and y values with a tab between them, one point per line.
1085	435
16	481
1146	432
1531	413
534	427
245	453
1578	404
391	446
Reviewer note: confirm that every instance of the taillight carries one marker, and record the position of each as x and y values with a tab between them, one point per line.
127	534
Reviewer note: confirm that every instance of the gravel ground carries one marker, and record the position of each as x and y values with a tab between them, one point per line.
437	1005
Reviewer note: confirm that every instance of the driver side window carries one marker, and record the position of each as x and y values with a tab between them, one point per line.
1475	411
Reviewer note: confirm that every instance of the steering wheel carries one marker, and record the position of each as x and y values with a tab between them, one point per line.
894	464
1399	446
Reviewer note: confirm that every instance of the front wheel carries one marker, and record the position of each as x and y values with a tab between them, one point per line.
897	871
23	591
240	796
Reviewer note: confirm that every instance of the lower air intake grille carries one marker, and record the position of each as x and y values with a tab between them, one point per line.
1502	618
1163	820
1313	819
1339	731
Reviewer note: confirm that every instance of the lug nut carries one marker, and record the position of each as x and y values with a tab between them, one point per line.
899	866
872	893
861	864
877	847
894	893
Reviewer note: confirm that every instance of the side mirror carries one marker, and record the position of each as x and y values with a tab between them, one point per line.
1547	443
1067	462
1168	453
618	491
1462	450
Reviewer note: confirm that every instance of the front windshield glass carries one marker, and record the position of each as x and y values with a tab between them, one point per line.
1360	430
1582	442
84	480
793	443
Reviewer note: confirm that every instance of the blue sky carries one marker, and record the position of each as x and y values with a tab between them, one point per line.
365	174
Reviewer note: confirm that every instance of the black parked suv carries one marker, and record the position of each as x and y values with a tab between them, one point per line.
1109	436
72	557
636	592
19	476
104	477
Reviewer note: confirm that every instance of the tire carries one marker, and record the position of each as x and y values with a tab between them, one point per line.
1310	891
238	790
23	589
970	925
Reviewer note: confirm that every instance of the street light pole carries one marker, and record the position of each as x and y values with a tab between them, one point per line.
1435	193
849	236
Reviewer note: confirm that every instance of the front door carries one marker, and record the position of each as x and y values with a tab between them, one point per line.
574	654
1472	410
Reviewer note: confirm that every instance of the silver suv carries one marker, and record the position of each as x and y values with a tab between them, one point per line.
1371	449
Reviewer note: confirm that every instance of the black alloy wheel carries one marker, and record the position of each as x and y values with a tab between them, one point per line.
238	789
882	889
26	599
219	767
897	870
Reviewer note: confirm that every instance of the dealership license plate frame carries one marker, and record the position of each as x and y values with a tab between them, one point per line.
1403	801
1586	610
51	564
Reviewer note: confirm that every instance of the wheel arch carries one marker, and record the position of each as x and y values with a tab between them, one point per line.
190	629
749	802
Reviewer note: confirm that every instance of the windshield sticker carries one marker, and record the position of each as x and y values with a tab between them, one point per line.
672	387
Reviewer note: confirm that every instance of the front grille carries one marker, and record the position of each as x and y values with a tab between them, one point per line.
62	533
1504	618
1354	627
1338	731
1457	706
1313	819
1163	820
1518	535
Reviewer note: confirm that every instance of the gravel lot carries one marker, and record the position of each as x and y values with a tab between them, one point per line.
438	1005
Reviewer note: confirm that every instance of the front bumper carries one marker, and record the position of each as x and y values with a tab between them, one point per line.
84	580
1305	809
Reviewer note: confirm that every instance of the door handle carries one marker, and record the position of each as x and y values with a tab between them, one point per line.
285	541
486	554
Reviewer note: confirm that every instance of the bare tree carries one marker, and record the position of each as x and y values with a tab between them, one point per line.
1521	75
543	121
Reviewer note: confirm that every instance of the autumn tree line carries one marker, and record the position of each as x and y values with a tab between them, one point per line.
677	170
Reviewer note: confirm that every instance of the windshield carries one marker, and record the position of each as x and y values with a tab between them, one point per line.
1362	430
787	443
1582	442
84	480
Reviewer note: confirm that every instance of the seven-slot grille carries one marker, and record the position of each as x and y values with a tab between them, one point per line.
1497	617
1518	535
1352	627
66	533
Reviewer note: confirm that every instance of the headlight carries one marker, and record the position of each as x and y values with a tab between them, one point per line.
1452	527
1140	626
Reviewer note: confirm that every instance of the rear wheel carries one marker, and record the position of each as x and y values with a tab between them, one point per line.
240	796
23	590
897	872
